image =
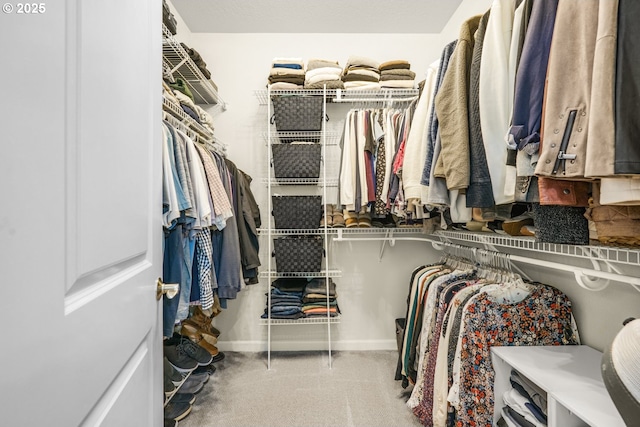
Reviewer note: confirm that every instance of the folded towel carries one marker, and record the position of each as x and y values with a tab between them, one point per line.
362	60
184	99
314	64
357	77
362	85
363	72
397	64
398	84
331	84
288	79
407	73
291	66
298	61
285	86
320	78
324	70
286	72
395	77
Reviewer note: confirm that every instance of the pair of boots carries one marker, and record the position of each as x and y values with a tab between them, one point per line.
198	328
334	217
360	219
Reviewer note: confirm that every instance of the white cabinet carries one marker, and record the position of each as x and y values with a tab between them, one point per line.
576	395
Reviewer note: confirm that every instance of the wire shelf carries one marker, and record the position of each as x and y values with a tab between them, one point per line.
301	181
302	321
342	231
345	95
176	111
176	59
618	255
323	273
277	137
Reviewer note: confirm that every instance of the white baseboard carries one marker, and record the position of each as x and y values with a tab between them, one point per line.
282	345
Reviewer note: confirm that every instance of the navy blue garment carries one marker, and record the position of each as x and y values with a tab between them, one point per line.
171	273
627	91
531	75
433	118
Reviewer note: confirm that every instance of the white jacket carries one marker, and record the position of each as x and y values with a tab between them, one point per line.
416	146
497	83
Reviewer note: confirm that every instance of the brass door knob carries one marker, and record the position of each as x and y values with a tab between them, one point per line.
170	289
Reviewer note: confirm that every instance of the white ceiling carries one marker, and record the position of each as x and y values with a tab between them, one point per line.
316	16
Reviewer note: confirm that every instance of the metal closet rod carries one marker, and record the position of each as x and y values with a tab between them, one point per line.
584	276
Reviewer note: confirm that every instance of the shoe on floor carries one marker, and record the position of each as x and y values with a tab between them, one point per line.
189	398
196	336
191	386
170	423
219	357
195	351
211	369
171	372
169	386
176	411
179	358
202	377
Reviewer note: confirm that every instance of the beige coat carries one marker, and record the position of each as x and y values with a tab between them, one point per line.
568	90
451	107
601	140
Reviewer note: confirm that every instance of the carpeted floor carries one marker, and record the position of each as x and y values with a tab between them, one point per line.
300	390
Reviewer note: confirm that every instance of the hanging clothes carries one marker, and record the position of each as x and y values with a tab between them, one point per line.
455	314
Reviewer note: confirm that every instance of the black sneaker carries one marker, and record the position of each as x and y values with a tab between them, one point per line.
211	369
176	411
189	398
171	372
169	386
191	386
170	423
218	357
202	377
193	350
179	358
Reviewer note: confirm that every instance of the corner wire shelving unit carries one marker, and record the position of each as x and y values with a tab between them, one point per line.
176	59
328	138
326	273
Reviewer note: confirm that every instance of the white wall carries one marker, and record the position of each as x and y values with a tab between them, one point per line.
371	293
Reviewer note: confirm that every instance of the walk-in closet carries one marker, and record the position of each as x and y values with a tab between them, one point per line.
288	213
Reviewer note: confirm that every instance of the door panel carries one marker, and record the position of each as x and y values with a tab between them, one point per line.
80	229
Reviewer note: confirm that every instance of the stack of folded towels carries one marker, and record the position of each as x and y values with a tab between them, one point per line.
397	75
322	72
286	299
315	299
286	73
361	73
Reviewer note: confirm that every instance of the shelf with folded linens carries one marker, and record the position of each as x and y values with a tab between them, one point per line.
344	95
176	111
180	64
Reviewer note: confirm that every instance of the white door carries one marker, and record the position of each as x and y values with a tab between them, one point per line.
80	206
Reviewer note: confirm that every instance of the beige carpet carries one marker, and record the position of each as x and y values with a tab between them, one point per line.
300	390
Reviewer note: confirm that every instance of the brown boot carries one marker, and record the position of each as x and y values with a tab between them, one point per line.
194	335
202	322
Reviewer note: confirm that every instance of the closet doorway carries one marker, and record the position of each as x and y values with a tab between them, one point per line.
80	247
